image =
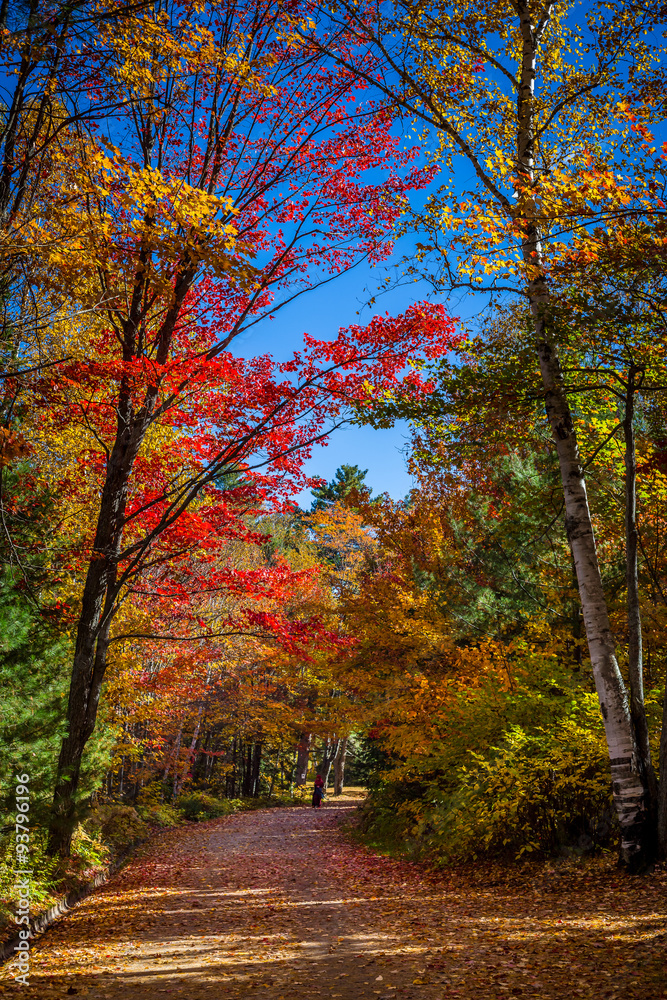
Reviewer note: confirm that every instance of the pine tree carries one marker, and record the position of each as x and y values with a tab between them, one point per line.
347	478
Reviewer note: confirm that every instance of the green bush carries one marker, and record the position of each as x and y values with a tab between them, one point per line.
272	802
545	791
116	825
43	879
89	852
198	806
543	788
159	814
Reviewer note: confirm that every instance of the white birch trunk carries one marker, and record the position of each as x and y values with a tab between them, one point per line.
180	780
330	750
628	789
635	645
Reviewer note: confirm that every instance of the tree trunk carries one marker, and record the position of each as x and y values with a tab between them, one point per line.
628	787
200	766
339	766
189	757
213	747
627	784
173	758
231	774
576	634
97	609
84	695
302	759
635	657
247	774
662	787
256	763
330	750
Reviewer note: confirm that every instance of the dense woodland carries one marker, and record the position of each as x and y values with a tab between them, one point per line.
486	655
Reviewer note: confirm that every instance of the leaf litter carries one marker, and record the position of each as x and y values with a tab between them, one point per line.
284	904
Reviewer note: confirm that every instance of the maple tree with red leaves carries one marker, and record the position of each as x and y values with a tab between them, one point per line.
237	175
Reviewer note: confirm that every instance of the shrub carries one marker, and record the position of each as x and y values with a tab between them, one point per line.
159	814
43	879
89	852
538	792
117	825
198	806
543	789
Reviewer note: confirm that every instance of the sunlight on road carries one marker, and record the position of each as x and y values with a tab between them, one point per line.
276	903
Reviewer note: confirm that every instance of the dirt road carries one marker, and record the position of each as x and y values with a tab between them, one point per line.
280	905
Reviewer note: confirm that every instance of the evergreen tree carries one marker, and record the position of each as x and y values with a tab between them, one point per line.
33	683
347	478
35	652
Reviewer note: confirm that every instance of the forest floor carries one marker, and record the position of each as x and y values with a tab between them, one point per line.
281	904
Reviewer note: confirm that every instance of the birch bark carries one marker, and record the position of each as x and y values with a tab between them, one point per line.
630	792
328	756
190	755
662	786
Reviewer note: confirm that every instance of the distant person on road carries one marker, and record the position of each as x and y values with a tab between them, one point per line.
318	792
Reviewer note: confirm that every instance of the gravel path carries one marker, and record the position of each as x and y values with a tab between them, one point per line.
281	905
273	903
